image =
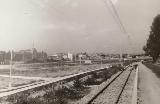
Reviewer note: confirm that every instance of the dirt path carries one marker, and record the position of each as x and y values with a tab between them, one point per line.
148	86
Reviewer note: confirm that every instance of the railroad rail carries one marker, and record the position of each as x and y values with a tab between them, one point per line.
91	101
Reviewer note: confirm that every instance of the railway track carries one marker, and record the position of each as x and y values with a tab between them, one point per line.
112	92
19	89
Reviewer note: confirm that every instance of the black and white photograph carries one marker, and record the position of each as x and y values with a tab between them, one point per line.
79	51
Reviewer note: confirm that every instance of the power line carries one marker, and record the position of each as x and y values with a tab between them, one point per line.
110	6
43	3
117	15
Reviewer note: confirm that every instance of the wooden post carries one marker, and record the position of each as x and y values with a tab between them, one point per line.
10	71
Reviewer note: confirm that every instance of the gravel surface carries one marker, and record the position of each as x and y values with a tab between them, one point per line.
94	90
109	96
126	96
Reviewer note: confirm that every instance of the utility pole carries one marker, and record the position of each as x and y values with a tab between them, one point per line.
33	51
101	62
80	59
10	72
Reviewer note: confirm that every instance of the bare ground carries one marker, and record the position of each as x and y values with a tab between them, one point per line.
47	71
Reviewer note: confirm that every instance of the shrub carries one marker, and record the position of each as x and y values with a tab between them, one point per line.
77	83
92	79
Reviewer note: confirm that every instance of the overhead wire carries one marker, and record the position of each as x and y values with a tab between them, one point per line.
59	12
109	4
112	9
115	14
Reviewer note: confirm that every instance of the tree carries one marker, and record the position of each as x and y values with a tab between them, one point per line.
152	46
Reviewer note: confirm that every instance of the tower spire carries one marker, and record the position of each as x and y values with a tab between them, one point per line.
33	50
33	44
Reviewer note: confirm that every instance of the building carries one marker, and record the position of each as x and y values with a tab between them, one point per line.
70	56
2	57
87	62
18	56
29	55
53	58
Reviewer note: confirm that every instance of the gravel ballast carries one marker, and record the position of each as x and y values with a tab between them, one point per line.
110	95
126	96
94	90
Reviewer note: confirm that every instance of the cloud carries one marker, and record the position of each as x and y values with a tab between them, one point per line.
114	1
72	3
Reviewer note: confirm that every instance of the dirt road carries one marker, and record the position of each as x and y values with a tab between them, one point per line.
148	86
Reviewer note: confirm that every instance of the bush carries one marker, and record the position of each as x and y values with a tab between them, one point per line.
106	75
55	96
93	79
77	83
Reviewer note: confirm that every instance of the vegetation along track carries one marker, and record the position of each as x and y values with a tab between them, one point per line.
112	92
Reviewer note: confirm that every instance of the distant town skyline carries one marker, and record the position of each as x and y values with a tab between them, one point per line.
75	25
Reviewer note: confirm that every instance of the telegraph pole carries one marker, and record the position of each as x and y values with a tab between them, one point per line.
33	51
80	59
10	72
101	62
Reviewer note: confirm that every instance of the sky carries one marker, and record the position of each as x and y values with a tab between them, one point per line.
76	25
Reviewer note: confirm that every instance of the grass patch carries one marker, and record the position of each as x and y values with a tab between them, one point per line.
155	68
97	78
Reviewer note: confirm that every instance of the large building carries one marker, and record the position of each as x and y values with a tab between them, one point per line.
70	56
25	56
30	56
61	56
2	57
